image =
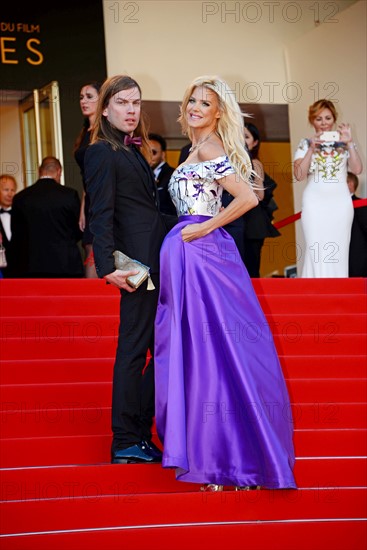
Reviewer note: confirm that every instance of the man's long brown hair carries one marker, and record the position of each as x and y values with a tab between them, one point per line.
103	130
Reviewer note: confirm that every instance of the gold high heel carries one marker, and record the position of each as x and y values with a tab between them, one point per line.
211	488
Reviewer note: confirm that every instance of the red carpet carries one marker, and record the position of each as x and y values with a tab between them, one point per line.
58	340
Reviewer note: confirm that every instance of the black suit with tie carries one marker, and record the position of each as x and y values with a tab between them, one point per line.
358	242
162	180
45	230
10	269
124	215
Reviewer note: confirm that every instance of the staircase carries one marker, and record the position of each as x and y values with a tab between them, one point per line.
58	490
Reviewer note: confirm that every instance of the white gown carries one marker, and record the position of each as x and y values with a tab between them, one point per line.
327	211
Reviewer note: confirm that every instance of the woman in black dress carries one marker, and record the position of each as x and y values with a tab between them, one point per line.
89	94
257	222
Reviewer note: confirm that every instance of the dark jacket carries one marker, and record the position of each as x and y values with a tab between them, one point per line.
165	203
124	213
358	242
10	269
45	230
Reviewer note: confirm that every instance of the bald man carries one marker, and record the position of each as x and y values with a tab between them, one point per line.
45	224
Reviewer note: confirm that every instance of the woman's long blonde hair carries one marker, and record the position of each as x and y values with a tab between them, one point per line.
230	125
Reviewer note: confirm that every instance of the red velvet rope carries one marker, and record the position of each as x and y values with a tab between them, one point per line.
287	221
89	259
359	203
290	219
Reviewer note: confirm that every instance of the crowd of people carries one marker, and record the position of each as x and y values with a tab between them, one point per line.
200	228
40	226
334	245
167	319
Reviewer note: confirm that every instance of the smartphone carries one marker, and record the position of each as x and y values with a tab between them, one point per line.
330	136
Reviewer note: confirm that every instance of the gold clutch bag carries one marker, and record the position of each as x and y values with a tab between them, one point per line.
125	263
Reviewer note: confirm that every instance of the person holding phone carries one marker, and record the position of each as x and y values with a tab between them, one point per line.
327	210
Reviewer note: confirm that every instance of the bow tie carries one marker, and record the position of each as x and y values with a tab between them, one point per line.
3	211
132	141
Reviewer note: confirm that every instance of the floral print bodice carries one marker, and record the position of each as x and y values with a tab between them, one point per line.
194	188
329	161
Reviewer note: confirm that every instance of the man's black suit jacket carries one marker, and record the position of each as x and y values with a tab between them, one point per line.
124	213
165	203
45	230
10	270
358	242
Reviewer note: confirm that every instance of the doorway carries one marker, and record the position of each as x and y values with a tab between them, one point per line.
30	131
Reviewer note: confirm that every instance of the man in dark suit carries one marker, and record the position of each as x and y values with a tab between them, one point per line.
162	172
184	153
8	188
358	238
45	226
124	215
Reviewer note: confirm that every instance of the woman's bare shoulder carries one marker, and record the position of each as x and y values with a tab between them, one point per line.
209	151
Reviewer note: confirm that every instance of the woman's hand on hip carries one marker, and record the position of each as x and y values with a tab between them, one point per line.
193	231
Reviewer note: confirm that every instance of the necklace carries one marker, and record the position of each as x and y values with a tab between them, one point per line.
199	143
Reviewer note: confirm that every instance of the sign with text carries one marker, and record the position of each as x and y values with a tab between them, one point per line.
20	43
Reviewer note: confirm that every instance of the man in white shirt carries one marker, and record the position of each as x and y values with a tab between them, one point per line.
162	172
8	188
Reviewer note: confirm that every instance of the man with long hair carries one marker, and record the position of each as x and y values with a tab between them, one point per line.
124	216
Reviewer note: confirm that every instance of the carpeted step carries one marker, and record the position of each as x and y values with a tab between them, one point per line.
83	369
86	418
105	479
316	533
98	394
131	509
270	286
95	448
325	326
323	366
56	346
109	304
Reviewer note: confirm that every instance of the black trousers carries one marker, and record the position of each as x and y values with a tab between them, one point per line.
133	385
252	256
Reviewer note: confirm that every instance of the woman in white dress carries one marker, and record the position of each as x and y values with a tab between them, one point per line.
327	209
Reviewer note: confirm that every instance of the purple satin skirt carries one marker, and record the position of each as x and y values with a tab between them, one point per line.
222	406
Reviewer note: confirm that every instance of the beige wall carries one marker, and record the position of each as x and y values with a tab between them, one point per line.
164	44
292	52
330	61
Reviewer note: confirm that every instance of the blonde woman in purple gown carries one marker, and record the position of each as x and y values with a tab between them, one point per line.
222	407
